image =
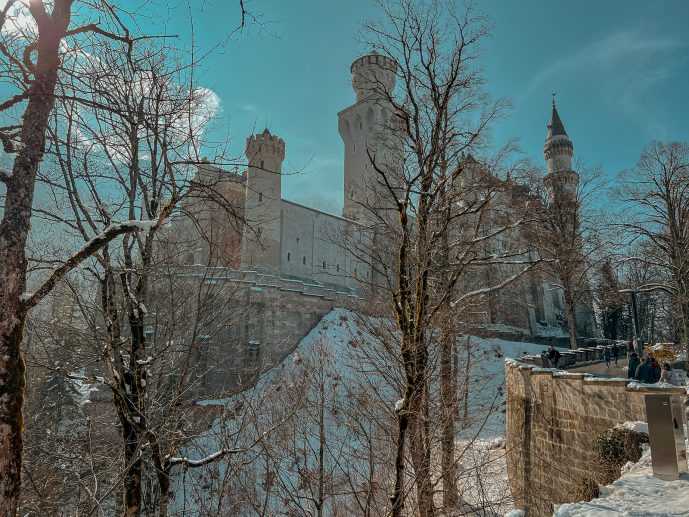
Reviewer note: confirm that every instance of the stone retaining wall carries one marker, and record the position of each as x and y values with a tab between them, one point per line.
552	421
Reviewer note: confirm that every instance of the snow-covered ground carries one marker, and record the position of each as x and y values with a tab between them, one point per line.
636	493
348	366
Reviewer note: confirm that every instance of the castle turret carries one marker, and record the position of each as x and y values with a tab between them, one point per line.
261	248
367	127
558	151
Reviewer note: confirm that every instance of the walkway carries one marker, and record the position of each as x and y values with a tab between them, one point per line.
601	370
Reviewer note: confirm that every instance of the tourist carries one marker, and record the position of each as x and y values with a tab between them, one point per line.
634	363
553	357
648	372
655	367
606	356
545	363
615	352
667	375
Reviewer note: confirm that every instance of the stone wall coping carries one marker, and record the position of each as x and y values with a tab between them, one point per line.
630	385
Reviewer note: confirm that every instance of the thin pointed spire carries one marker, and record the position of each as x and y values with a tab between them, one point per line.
556	127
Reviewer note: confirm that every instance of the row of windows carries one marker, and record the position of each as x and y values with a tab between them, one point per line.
323	264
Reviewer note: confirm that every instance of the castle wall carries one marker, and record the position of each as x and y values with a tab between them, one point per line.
552	422
320	247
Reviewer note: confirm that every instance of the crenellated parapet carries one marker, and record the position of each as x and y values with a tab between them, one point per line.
373	74
263	145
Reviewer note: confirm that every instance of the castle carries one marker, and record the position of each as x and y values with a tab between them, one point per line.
306	251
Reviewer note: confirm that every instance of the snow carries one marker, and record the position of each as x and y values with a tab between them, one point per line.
636	493
639	427
344	350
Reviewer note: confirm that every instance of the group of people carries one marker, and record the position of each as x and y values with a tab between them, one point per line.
649	371
550	358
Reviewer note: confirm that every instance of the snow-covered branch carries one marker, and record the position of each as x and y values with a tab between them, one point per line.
490	289
89	248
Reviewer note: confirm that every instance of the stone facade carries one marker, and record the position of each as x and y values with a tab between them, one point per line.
291	241
552	422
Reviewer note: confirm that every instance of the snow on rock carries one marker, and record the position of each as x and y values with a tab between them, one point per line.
636	493
639	427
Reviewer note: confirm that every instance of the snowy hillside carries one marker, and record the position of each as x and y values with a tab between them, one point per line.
325	417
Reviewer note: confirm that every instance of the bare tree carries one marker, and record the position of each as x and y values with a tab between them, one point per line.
566	231
437	213
32	58
657	193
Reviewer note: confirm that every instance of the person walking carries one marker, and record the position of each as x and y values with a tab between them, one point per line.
615	352
634	363
553	356
606	356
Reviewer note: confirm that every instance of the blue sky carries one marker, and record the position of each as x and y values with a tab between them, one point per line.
621	70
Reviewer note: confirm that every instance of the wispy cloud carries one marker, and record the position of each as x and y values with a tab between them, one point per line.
622	68
632	52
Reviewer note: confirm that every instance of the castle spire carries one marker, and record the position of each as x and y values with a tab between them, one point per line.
558	151
555	127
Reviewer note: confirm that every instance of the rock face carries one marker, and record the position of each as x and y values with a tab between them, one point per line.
552	422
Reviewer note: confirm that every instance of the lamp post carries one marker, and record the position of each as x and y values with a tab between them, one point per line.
635	316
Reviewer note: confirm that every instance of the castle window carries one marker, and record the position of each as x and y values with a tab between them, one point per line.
261	164
324	264
260	197
288	256
303	261
297	240
338	268
366	274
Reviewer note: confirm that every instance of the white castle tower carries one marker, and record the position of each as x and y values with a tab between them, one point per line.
261	249
558	151
365	127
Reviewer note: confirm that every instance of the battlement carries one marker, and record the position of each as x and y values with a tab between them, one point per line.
558	146
373	73
263	144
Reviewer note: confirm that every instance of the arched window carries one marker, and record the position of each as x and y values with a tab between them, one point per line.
262	164
303	260
288	256
260	197
338	268
324	264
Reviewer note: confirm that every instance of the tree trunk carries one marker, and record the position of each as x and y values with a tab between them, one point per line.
14	231
685	332
421	458
448	409
397	499
571	323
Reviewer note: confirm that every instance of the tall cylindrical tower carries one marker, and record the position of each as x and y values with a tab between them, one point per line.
558	151
261	249
367	129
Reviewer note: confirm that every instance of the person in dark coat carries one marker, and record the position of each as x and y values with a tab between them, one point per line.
606	356
648	372
553	357
634	363
615	352
655	369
